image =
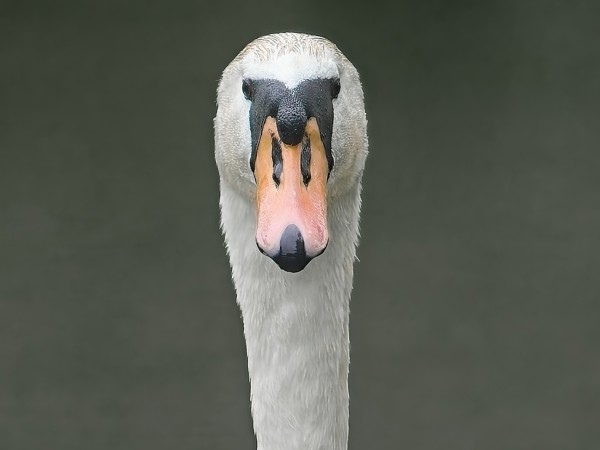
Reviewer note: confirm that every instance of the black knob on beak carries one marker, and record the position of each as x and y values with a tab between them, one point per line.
292	255
291	120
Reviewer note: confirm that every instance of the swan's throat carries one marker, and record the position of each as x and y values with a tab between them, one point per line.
298	364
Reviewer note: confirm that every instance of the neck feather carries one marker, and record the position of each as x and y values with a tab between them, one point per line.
296	329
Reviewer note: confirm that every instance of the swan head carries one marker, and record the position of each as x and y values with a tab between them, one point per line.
290	137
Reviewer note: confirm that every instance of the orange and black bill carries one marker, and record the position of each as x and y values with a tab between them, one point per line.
291	162
291	197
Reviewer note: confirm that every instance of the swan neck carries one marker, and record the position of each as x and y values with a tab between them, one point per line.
298	357
296	330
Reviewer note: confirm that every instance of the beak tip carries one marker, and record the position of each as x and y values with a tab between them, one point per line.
291	255
291	264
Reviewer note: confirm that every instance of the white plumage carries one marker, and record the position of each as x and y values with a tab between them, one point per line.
295	324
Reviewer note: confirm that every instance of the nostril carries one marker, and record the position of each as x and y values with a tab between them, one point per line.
305	157
277	160
292	253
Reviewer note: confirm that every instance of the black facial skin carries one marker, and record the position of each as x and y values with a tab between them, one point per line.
291	109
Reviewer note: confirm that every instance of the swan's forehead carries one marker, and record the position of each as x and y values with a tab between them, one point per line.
291	68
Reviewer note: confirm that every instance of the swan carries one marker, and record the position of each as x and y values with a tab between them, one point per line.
290	147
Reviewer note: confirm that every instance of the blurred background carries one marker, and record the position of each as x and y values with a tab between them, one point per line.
475	317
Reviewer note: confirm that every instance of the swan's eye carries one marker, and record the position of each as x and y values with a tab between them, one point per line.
247	89
335	88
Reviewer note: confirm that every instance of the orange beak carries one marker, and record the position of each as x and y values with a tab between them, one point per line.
291	196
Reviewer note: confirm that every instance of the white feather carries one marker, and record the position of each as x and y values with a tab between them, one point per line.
295	324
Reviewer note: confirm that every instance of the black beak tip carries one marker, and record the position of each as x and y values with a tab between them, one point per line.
291	263
291	256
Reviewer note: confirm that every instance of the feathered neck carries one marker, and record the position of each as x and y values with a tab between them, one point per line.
296	328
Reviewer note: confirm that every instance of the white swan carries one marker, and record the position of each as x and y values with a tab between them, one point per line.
290	145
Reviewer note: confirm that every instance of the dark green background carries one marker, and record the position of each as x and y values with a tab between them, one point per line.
475	317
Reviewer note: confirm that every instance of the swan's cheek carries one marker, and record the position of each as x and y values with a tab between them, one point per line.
291	194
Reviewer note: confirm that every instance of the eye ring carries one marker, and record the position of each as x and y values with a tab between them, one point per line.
247	88
335	88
